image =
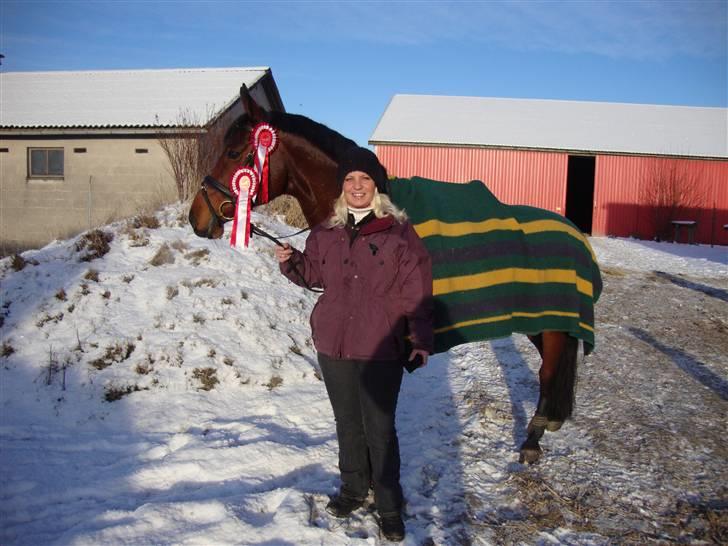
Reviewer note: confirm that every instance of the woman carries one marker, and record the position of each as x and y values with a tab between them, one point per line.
375	312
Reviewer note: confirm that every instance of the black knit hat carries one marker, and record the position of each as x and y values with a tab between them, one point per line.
361	159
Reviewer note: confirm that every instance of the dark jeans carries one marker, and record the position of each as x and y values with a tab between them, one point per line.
364	398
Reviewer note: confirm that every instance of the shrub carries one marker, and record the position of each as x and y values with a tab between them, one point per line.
206	376
145	221
61	295
95	243
92	275
6	350
17	262
143	368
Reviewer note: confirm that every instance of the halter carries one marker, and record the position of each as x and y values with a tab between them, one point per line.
218	217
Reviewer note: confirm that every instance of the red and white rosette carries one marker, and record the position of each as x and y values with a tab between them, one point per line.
244	184
264	140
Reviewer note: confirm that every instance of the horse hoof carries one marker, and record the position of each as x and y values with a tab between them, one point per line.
553	426
529	455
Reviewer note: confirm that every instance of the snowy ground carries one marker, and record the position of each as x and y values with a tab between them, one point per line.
167	393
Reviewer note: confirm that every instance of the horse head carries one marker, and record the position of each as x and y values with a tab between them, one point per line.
303	165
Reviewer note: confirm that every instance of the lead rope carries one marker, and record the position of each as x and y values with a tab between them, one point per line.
291	266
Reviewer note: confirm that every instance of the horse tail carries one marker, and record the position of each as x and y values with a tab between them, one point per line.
560	400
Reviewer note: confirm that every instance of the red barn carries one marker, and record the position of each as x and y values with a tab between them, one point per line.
613	169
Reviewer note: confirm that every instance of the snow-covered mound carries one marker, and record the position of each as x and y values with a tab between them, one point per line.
166	392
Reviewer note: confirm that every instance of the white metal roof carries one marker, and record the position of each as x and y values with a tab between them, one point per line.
119	98
554	125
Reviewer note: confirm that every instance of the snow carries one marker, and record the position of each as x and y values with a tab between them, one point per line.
252	460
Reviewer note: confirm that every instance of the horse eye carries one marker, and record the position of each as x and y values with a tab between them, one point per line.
232	154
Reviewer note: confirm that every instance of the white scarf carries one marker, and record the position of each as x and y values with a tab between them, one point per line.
359	213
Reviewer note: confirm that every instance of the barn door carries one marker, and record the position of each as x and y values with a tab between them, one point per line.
580	191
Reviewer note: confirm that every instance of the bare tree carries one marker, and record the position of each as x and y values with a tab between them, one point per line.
671	188
192	150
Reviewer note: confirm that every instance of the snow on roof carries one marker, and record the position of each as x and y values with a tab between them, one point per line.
554	125
119	98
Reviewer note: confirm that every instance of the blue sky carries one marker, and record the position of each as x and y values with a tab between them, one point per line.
341	62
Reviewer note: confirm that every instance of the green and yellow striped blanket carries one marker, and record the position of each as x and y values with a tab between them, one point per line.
499	269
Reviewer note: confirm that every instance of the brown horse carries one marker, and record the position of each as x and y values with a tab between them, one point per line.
304	166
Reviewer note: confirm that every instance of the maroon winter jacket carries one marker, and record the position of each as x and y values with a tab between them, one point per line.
377	289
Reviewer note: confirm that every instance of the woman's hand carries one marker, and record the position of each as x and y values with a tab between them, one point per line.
283	253
420	352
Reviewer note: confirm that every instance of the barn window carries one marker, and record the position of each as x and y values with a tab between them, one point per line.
142	150
4	150
79	150
45	162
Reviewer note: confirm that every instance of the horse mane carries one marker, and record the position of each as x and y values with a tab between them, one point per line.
325	139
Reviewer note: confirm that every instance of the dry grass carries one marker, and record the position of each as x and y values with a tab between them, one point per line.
205	281
613	271
172	292
179	245
275	381
138	238
163	256
287	207
197	256
119	352
144	221
92	275
46	318
114	393
61	295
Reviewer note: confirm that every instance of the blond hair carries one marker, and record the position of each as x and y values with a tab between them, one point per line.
381	204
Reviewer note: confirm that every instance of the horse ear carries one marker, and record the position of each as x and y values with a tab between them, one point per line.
252	108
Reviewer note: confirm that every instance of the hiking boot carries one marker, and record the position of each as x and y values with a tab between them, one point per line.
392	526
342	506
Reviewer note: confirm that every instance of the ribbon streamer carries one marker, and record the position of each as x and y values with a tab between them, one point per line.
244	184
264	140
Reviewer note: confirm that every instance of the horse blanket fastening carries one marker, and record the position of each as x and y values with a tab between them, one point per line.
499	269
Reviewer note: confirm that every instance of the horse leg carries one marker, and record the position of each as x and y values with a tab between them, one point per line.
557	380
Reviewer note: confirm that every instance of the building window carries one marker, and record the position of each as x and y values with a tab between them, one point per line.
79	150
45	162
142	150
